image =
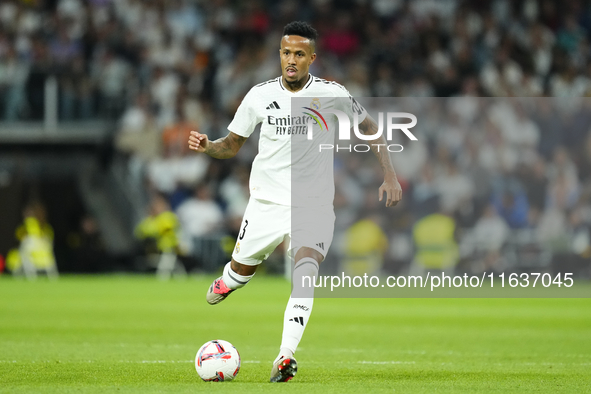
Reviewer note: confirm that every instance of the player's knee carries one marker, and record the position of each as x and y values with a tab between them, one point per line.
304	252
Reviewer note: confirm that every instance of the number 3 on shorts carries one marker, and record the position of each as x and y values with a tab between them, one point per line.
243	230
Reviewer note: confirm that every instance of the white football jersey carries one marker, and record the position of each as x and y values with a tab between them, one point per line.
270	104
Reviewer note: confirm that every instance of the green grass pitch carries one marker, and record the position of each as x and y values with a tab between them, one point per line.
115	334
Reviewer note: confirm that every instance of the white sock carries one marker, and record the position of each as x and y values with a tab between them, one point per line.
283	352
299	306
232	279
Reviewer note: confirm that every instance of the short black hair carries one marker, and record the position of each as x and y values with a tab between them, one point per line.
302	29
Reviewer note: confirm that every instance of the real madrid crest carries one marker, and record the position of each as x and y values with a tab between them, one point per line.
315	103
238	247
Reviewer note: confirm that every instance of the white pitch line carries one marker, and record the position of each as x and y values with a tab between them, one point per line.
181	361
258	362
119	361
385	362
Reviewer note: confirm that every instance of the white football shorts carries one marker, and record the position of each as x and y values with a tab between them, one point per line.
265	225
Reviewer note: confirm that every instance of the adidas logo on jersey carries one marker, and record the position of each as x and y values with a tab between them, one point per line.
273	105
298	320
320	245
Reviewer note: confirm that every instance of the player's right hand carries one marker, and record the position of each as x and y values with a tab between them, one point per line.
198	141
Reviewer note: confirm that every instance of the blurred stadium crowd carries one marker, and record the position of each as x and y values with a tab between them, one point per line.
163	68
491	184
109	54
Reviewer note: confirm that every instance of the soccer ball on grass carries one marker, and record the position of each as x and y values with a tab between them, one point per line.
217	361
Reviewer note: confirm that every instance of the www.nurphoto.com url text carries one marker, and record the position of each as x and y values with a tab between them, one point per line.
433	282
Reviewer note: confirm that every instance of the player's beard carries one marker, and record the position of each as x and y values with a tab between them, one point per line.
296	84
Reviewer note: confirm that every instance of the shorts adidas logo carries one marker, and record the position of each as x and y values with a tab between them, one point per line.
273	105
298	320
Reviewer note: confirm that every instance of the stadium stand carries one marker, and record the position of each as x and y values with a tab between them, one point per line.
108	77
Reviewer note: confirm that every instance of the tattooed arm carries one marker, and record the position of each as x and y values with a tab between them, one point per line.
390	186
222	148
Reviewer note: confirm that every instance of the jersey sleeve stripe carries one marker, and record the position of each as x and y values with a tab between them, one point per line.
264	83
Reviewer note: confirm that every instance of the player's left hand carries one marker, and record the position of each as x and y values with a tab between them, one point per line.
393	191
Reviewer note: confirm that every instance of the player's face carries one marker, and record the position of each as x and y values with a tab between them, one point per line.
297	54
